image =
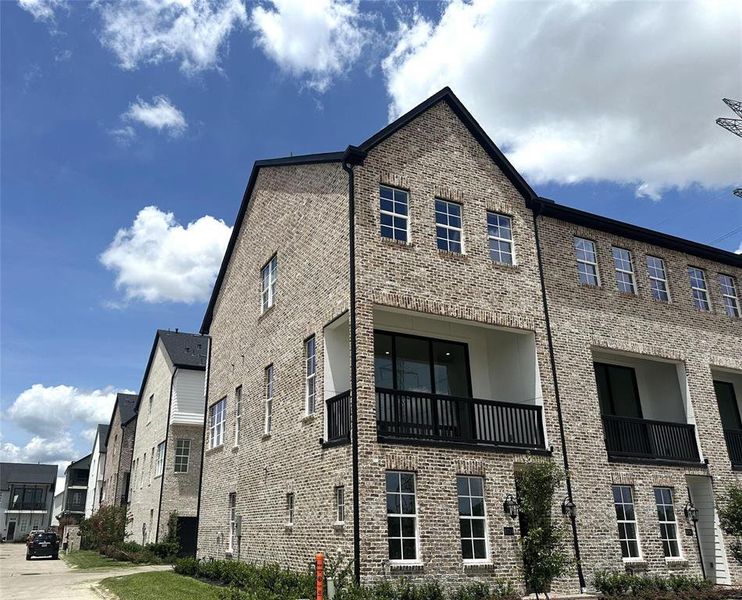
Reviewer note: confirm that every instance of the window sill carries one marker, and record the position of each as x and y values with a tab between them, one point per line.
405	566
450	254
505	266
676	562
235	448
306	419
215	449
338	525
635	564
266	436
482	565
288	526
397	243
266	312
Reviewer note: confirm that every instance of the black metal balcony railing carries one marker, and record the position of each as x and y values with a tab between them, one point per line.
733	438
338	417
402	415
627	437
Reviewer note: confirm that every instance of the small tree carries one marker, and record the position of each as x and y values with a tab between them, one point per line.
542	547
730	515
106	527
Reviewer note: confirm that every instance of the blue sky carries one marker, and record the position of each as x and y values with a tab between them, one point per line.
111	108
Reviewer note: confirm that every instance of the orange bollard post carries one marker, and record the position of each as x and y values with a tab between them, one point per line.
319	560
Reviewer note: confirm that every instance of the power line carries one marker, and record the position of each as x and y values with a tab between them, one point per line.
733	125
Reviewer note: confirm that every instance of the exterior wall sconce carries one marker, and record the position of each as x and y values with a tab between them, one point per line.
569	509
690	511
510	506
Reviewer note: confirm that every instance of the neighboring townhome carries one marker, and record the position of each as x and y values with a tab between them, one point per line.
166	464
381	365
26	498
97	466
119	448
76	478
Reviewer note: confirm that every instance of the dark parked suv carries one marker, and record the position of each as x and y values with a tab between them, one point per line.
44	543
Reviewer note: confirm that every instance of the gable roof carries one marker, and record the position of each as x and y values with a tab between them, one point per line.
103	437
125	405
533	201
26	473
185	350
82	463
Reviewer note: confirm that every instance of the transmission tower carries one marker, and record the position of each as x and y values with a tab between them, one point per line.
733	125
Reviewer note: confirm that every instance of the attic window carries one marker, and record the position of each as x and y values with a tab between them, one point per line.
268	276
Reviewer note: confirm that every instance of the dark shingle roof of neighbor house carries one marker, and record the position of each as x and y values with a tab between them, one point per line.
126	405
83	463
186	351
103	437
539	205
26	473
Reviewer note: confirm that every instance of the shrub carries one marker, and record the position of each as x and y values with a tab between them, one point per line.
615	584
730	515
106	527
164	550
482	591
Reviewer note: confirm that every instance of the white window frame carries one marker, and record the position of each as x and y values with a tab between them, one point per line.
393	214
339	504
699	289
656	279
471	518
499	238
624	521
619	263
268	400
182	455
444	226
402	515
217	415
729	295
290	508
237	414
587	247
662	507
268	278
310	375
160	468
232	516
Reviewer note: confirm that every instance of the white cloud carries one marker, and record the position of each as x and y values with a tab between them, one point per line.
315	40
59	451
192	32
123	135
161	114
577	91
158	260
739	250
42	10
48	411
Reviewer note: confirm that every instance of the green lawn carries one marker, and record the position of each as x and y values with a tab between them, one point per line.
159	585
91	559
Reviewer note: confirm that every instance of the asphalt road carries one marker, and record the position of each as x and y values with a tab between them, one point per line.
41	578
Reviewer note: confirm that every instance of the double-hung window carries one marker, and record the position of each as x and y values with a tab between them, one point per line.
500	238
623	500
394	215
448	228
401	516
160	459
587	261
729	295
340	504
698	288
624	270
658	279
182	455
310	366
237	414
290	508
217	415
232	515
472	520
268	401
268	275
668	524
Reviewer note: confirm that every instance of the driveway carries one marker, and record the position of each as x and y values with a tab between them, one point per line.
45	578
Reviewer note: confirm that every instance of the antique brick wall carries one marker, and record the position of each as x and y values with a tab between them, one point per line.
587	319
435	156
150	431
113	468
298	213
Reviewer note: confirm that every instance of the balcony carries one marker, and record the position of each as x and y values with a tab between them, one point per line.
417	416
733	439
627	437
727	387
337	410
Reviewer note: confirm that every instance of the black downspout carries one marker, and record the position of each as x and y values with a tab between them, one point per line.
552	360
164	456
353	156
203	440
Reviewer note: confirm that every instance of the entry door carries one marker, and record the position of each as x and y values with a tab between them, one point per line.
187	534
11	531
710	538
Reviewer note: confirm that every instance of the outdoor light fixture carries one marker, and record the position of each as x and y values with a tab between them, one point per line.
691	512
510	506
569	509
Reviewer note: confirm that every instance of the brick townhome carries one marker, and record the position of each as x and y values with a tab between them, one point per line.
120	446
166	463
429	312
